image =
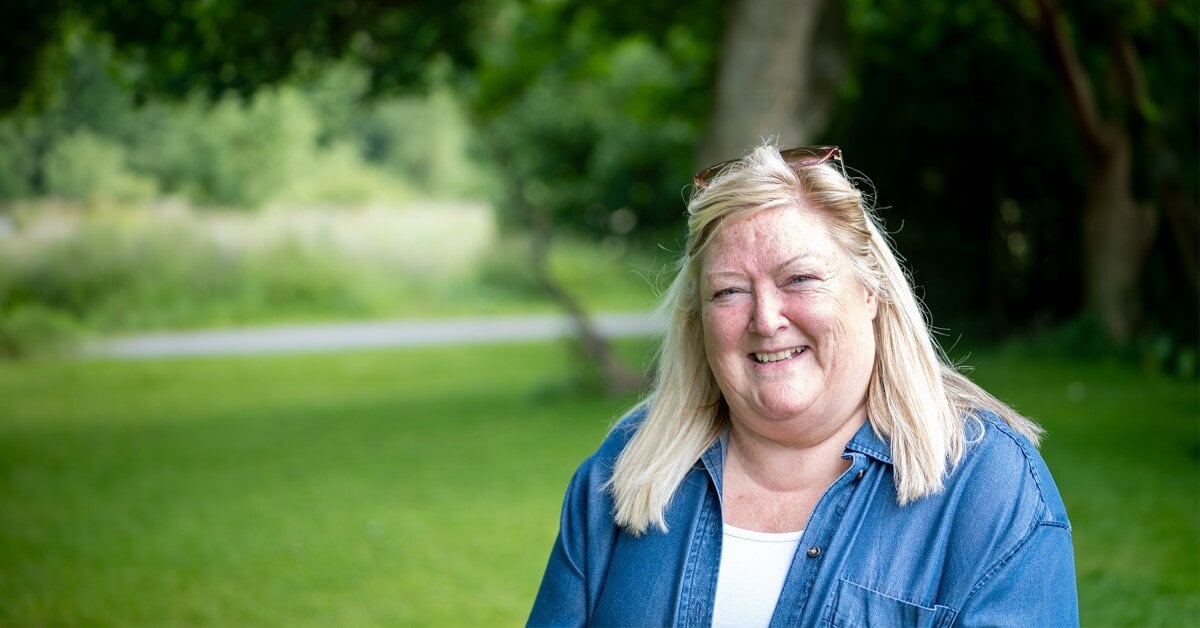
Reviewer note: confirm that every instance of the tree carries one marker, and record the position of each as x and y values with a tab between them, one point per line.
1118	227
557	81
594	112
237	45
616	98
781	65
980	173
593	119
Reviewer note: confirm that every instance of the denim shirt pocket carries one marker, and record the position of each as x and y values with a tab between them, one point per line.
856	605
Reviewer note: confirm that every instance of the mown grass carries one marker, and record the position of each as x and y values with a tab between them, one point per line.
423	486
1125	451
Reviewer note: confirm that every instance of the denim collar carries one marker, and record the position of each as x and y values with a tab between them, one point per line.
867	441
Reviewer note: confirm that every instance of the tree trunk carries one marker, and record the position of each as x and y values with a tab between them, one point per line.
1184	219
1117	234
600	361
781	62
600	364
1117	229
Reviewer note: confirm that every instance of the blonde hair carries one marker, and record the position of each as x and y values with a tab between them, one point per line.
915	397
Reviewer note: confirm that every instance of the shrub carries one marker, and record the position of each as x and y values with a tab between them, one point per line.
148	267
86	166
338	175
32	329
17	160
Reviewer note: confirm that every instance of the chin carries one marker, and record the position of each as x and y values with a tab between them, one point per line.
782	407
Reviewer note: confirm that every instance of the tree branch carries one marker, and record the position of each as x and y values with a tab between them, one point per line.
1027	20
1046	22
601	359
1080	95
1129	70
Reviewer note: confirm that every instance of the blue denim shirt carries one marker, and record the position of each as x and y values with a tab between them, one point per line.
993	548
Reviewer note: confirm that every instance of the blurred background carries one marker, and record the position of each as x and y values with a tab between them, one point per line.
208	164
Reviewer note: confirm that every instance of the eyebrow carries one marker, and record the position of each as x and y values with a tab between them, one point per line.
799	259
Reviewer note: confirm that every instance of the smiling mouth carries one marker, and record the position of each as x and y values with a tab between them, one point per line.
778	356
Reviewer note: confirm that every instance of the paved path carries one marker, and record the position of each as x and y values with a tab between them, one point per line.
365	335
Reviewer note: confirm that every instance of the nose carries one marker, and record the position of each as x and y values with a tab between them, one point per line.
769	316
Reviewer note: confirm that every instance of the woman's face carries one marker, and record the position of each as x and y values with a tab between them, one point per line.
788	327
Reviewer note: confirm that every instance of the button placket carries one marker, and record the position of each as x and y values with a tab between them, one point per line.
820	531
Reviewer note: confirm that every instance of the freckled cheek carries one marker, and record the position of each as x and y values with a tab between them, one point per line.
724	327
812	314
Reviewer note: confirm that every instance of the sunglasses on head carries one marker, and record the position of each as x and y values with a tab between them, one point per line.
799	157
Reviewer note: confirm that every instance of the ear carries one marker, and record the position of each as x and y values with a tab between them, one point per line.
872	303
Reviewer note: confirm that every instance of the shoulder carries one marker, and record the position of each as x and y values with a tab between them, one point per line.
596	470
1002	471
1010	519
618	437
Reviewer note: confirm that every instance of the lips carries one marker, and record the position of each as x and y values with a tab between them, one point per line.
777	356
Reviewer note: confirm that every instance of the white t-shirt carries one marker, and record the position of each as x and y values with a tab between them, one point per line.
753	568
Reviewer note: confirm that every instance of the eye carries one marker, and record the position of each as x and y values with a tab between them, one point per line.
801	279
724	292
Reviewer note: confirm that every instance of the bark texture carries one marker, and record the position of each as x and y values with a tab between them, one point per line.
781	62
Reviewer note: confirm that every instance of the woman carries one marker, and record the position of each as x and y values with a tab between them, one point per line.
807	456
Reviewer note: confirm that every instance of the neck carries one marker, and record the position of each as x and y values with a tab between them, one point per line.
789	465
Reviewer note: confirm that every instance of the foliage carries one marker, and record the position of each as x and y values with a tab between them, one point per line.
111	270
614	110
427	140
589	112
236	45
74	270
340	489
312	141
605	277
17	167
32	329
85	166
33	26
969	167
959	122
1154	351
246	151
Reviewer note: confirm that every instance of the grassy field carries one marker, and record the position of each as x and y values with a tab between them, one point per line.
423	486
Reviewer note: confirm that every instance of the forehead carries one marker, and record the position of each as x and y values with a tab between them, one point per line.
769	237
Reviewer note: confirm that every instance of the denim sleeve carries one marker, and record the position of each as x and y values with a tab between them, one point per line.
1033	586
562	598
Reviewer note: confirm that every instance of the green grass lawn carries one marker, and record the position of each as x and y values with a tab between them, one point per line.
1125	452
423	486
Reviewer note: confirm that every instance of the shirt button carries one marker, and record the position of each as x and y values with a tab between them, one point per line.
858	476
814	551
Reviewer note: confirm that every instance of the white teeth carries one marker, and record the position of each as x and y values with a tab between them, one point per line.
763	358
